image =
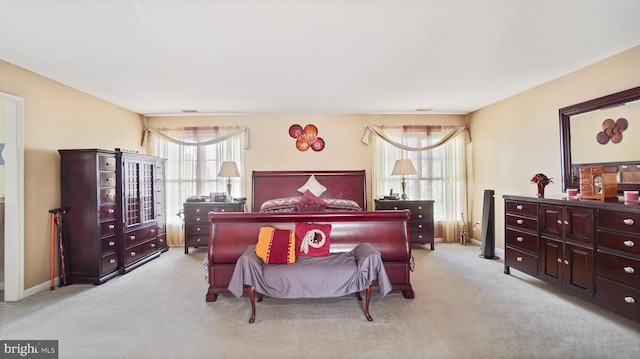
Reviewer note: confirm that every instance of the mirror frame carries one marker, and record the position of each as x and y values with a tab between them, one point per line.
612	100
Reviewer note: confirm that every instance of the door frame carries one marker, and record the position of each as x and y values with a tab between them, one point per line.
14	197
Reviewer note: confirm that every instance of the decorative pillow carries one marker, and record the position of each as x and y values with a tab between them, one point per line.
276	246
312	239
310	203
314	186
285	204
336	204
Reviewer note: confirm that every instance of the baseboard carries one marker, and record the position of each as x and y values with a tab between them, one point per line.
499	251
40	287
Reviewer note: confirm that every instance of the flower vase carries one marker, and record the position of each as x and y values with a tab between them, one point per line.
541	190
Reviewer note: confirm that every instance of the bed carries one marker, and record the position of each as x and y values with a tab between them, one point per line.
231	233
340	185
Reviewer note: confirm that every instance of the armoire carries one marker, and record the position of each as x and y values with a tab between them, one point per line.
116	215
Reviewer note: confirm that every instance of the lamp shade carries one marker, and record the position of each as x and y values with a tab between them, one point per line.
229	169
403	167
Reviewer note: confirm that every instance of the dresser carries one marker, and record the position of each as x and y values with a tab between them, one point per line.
196	221
590	249
421	227
111	196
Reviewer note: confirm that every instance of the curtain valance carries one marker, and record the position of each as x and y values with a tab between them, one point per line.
452	132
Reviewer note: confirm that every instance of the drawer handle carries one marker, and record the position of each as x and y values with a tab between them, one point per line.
420	236
197	239
559	260
222	210
419	216
152	231
133	238
559	222
109	195
112	243
629	243
133	254
566	223
519	207
198	229
197	210
629	270
111	210
519	221
519	239
419	226
419	207
111	261
519	259
111	226
629	300
153	245
628	221
395	207
566	262
198	219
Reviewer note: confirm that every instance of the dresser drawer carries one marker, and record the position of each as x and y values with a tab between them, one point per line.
626	222
197	218
109	244
140	251
108	228
197	229
620	242
107	195
522	240
162	241
197	241
140	235
619	269
421	237
619	298
521	208
108	212
521	261
524	223
107	163
109	263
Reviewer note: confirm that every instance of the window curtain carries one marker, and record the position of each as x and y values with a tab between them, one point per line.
439	155
194	156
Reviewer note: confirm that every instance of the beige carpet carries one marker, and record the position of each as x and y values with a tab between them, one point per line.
465	307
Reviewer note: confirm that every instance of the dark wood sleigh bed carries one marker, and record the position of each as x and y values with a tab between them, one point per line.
387	231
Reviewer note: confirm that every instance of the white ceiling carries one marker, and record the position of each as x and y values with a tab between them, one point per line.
311	56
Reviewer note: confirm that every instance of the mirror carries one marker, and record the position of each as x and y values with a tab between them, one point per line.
602	132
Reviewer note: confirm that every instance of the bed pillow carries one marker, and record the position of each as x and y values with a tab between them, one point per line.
284	204
276	246
314	186
312	239
310	203
336	204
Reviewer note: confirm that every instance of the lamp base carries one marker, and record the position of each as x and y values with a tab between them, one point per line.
404	186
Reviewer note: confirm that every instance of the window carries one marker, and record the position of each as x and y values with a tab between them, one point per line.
193	169
441	171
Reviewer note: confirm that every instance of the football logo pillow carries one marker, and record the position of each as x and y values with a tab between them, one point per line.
312	239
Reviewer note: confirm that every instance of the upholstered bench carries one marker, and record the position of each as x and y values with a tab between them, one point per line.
333	275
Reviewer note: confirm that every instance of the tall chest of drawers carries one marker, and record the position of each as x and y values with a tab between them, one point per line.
587	248
421	227
110	227
196	221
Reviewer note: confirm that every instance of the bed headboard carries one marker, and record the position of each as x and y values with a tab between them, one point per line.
268	185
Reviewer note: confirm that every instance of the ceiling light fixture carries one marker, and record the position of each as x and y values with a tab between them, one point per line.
424	109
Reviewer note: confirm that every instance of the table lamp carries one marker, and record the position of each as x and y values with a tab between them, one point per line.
403	167
229	169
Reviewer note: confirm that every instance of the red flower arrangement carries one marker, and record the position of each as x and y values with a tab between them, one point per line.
541	179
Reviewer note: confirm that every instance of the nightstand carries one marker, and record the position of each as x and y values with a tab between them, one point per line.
196	221
421	220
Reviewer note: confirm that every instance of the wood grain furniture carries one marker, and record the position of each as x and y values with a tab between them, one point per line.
421	229
590	249
196	222
387	231
111	225
267	185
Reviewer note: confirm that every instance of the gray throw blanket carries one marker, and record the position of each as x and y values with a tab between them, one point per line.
312	277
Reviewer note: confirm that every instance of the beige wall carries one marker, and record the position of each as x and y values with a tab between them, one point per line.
272	148
519	136
55	117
